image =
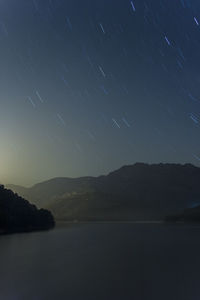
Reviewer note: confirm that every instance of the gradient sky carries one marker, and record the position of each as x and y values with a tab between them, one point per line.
88	86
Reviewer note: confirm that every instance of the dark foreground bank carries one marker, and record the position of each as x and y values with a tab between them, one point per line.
18	215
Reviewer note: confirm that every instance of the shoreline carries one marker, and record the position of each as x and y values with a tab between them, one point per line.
108	222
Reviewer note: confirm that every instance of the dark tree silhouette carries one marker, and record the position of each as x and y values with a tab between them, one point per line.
18	215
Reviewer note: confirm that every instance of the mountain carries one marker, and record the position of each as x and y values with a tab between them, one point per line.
137	192
18	215
190	215
42	194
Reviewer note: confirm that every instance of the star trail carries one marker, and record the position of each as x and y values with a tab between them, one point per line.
89	86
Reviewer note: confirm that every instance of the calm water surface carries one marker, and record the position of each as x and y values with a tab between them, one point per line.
102	261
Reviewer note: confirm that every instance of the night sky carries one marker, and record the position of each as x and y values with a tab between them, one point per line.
87	86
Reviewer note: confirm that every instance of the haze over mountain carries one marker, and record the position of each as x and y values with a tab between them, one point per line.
136	192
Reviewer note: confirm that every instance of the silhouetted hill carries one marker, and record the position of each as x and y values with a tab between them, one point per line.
137	192
42	194
190	215
18	215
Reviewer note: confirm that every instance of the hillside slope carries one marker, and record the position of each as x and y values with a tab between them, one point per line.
18	215
139	191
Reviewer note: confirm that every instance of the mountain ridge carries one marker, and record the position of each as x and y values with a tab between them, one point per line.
111	172
138	191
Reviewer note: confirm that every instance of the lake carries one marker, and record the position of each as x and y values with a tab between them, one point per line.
102	261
